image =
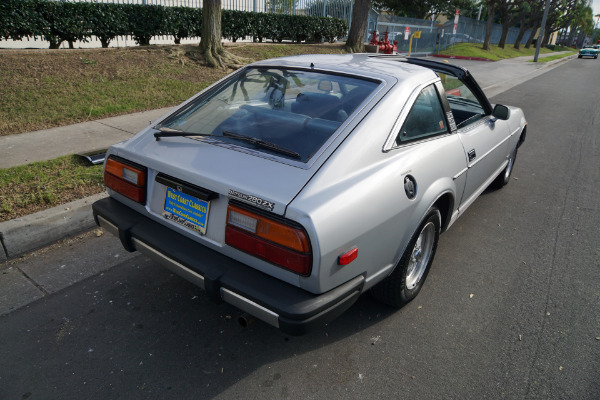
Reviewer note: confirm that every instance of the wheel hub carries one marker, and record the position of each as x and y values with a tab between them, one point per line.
420	256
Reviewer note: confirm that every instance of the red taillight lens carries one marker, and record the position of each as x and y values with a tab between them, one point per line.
282	244
126	178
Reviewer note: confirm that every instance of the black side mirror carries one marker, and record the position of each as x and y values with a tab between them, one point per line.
501	112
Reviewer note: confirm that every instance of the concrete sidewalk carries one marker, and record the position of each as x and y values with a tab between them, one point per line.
25	234
48	144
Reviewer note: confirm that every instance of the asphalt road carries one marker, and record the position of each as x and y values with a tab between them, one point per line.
510	309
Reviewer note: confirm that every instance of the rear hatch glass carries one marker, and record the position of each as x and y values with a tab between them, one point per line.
285	112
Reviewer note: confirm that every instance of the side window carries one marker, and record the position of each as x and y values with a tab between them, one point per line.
425	118
463	103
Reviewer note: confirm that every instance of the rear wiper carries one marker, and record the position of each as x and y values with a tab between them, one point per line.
169	132
263	144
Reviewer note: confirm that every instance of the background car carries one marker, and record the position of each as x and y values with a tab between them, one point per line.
461	38
294	185
588	51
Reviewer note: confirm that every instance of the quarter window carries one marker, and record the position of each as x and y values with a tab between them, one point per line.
463	103
425	119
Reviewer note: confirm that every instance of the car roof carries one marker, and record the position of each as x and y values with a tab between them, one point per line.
372	66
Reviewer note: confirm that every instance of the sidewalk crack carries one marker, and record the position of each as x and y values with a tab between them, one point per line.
114	127
37	285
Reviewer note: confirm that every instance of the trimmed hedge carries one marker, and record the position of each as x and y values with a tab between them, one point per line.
57	22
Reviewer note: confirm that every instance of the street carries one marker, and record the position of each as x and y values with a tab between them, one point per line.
509	310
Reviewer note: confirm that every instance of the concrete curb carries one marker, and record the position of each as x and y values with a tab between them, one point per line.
539	69
31	232
461	57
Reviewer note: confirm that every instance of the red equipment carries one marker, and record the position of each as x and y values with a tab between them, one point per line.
384	45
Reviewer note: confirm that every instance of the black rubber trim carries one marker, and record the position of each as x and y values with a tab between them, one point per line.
185	187
299	311
461	73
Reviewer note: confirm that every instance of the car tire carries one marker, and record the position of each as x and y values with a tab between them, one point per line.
579	56
504	177
407	278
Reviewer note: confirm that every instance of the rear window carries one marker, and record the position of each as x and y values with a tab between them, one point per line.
285	112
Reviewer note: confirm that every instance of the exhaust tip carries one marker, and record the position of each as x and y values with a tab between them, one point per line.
246	319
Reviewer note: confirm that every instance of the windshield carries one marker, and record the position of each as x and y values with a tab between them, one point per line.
270	109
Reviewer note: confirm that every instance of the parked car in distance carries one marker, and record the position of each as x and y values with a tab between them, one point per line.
588	51
294	185
462	38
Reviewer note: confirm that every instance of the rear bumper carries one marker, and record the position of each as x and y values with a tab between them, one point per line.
291	309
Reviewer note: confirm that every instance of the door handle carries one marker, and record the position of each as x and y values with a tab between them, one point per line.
472	155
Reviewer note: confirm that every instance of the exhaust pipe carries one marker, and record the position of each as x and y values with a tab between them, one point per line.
246	319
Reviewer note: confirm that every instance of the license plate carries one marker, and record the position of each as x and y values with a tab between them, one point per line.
186	210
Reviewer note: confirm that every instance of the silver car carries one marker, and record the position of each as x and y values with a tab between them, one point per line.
293	185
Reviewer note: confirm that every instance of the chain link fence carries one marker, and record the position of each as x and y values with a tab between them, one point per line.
435	36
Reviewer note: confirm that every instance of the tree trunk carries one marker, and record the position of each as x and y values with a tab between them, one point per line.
210	42
55	44
489	25
105	42
358	28
546	37
502	41
522	30
571	36
531	37
579	40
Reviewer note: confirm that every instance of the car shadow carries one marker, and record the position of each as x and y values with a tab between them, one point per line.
140	331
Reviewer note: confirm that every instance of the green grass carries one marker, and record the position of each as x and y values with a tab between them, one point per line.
494	54
44	95
29	188
554	57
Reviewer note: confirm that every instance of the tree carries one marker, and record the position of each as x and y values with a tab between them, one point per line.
423	9
107	21
535	19
579	20
508	13
529	16
358	27
491	10
210	43
558	17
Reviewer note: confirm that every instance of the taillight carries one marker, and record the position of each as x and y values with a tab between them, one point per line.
280	243
126	178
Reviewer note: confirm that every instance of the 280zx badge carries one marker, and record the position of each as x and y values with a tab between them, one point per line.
255	201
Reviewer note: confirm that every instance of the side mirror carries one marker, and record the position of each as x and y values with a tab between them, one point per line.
501	112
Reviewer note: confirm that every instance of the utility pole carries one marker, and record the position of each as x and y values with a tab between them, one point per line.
538	44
